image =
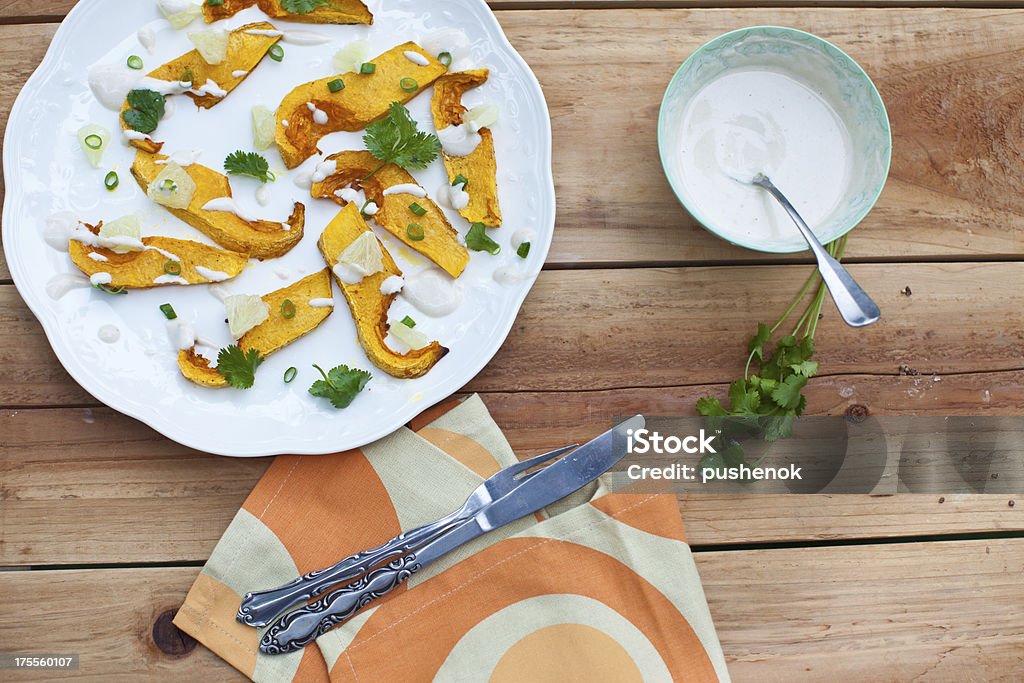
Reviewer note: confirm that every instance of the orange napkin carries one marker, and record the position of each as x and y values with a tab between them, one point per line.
599	587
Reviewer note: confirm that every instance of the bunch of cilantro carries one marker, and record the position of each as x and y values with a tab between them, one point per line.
765	403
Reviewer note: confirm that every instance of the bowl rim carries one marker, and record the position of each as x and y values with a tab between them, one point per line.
857	69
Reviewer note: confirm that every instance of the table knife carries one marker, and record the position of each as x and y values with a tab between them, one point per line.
302	626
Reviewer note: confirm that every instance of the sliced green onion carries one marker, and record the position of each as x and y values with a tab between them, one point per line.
408	322
214	3
168	311
460	180
524	250
111	290
111	181
135	62
172	268
93	141
409	84
337	85
187	77
276	53
368	68
445	58
415	232
287	309
290	375
417	209
168	185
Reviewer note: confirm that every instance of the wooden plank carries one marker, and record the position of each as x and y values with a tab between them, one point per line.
82	486
916	611
947	77
55	10
606	329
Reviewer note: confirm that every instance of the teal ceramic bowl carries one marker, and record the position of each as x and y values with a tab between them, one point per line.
816	64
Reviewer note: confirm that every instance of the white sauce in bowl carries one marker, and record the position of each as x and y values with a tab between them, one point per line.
750	121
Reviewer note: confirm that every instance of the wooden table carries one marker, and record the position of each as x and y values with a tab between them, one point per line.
104	524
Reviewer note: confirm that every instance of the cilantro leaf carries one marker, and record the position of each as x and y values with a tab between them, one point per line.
758	341
238	367
146	109
708	406
341	385
807	368
477	239
787	394
396	139
743	400
301	6
250	164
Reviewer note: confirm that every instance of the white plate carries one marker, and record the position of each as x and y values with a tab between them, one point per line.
46	172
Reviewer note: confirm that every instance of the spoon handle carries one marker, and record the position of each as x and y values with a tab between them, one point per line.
853	303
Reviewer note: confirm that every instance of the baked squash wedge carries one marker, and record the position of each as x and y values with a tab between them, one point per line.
259	238
163	261
209	83
334	12
369	306
438	241
480	167
312	111
276	332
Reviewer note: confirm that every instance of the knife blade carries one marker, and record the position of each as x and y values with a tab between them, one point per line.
301	627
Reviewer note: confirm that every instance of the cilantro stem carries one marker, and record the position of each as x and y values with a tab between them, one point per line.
374	171
324	374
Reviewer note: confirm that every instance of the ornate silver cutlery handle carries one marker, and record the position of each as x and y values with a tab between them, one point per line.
297	629
259	608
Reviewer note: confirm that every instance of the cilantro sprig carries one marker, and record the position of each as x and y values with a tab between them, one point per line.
477	239
396	139
146	109
341	385
301	6
238	367
249	164
768	402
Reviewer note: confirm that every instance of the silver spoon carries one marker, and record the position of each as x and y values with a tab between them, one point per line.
854	304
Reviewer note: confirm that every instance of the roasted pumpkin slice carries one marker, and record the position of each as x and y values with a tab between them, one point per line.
480	167
333	12
438	240
295	311
197	369
209	83
259	238
313	110
163	261
369	307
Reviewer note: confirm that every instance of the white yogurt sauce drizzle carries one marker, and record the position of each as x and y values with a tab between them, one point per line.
452	197
521	236
228	205
392	285
416	58
182	157
98	279
294	37
458	141
324	170
347	274
239	73
321	303
109	334
62	283
371	209
433	292
212	275
348	195
319	115
147	38
181	334
406	188
170	280
96	256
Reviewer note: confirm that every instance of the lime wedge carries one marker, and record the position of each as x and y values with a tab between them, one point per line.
245	311
94	140
122	235
484	116
173	187
414	339
364	255
212	45
263	125
179	13
351	57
